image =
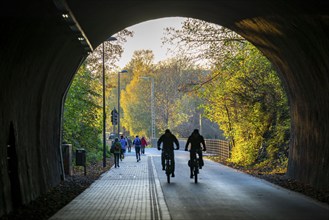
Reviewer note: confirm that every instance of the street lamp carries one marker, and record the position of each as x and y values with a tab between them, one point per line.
123	71
152	105
104	113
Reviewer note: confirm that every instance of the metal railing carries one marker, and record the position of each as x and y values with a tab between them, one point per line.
218	147
215	147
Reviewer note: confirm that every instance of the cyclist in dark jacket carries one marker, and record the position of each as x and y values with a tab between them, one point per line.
168	140
195	139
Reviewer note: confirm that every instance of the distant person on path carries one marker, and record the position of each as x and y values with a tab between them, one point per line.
168	140
116	149
137	143
144	144
196	140
129	144
124	144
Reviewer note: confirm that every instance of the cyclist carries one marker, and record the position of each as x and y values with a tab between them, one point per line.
168	140
195	139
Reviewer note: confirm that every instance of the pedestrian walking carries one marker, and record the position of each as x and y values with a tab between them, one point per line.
143	145
129	144
137	143
116	149
124	144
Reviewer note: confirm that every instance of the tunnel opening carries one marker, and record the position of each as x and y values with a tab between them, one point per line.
134	77
297	43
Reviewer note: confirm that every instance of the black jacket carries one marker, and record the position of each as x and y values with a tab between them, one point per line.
168	140
196	140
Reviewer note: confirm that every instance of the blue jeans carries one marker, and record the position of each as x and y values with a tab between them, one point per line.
138	152
116	159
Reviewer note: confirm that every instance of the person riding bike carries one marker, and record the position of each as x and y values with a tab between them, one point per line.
168	140
195	139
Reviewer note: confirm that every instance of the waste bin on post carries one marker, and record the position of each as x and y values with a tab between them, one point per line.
67	159
80	158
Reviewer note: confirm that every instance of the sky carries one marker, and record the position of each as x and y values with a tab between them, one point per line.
147	36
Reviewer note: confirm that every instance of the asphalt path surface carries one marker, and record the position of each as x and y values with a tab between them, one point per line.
225	193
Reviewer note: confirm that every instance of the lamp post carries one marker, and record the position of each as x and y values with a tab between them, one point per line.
123	71
104	112
152	105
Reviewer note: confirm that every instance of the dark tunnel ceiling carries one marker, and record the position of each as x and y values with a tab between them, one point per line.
95	17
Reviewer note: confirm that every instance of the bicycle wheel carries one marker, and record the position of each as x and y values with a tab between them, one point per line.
168	170
196	171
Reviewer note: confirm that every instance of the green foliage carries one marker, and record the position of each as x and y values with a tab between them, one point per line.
83	115
82	112
175	109
94	156
135	99
243	94
248	103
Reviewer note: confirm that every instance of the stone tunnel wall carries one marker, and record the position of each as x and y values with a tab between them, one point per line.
37	63
299	47
39	55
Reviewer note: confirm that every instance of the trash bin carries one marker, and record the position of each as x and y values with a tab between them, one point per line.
80	157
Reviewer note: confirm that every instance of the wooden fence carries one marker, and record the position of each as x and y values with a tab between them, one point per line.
215	147
218	147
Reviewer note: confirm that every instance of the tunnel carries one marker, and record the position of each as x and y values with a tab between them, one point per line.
43	43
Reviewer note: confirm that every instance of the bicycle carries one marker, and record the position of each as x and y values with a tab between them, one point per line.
168	165
195	167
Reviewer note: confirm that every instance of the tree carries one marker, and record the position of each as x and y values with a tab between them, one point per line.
250	105
82	112
83	105
176	109
112	51
243	94
201	42
135	99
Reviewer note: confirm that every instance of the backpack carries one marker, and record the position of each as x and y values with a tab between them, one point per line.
116	147
123	143
137	141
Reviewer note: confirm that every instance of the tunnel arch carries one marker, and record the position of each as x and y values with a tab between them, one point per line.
41	51
285	33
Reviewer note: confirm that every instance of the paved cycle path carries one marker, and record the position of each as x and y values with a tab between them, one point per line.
139	190
131	191
224	193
